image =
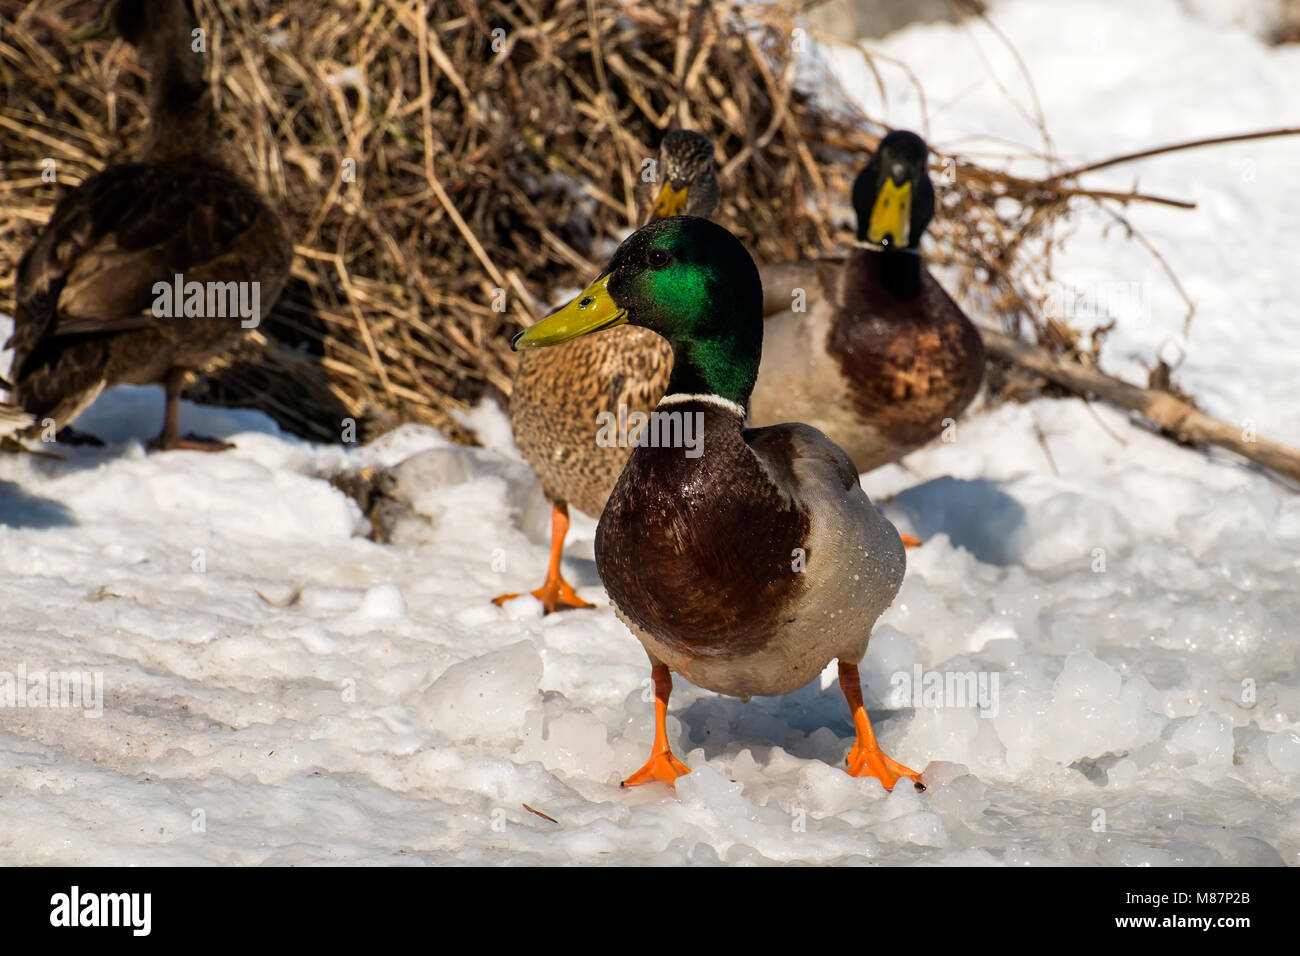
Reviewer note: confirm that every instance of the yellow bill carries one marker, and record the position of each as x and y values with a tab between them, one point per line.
891	215
592	311
670	202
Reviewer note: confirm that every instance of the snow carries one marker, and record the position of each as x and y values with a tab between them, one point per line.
277	688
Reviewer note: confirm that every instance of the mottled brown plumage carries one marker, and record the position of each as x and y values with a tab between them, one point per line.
557	395
85	289
558	392
685	168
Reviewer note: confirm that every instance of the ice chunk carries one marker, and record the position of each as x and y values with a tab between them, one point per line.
485	698
1204	740
1284	751
383	601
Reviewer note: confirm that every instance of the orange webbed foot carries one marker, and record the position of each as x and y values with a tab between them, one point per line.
555	595
876	763
661	767
866	759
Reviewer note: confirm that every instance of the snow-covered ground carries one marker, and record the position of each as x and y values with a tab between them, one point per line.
276	688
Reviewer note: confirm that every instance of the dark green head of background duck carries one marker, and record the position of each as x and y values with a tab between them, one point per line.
690	281
894	200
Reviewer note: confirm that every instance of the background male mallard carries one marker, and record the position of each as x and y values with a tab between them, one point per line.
746	568
558	393
85	288
880	357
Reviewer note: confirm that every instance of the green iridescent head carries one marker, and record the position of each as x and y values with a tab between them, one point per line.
692	282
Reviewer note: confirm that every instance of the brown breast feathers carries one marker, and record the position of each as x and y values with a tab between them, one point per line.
699	551
910	363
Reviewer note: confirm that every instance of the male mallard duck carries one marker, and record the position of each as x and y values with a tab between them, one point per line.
85	290
750	561
881	357
558	394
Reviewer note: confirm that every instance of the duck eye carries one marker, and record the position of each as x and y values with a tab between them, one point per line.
657	258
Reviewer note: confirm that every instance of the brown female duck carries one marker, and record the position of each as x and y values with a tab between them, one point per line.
90	311
558	394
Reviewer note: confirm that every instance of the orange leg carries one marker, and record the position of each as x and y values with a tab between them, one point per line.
555	594
866	759
909	541
662	765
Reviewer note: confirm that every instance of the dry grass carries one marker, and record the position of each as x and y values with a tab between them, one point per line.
496	149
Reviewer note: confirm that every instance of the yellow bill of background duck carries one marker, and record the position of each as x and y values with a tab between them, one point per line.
670	202
892	215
